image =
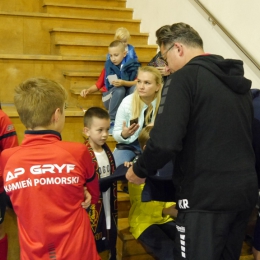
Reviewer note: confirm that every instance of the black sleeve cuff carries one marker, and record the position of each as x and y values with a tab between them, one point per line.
139	168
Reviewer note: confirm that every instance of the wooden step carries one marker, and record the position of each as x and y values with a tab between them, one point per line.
36	6
123	204
88	10
21	67
128	248
92	36
18	68
81	80
21	27
73	48
111	3
21	6
90	101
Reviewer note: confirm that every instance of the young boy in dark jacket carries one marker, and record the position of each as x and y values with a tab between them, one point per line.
123	71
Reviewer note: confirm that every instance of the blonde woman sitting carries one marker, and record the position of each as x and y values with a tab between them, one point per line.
135	112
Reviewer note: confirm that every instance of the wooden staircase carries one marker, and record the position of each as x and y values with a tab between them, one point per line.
64	40
67	41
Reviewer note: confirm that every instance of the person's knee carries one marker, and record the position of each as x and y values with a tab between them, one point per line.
122	156
119	92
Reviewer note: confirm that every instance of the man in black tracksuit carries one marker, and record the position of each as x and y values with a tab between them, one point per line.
204	125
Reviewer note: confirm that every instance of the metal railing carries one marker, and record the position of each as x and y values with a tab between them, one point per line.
214	21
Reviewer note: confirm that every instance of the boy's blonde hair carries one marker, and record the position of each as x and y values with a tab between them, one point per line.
122	34
94	112
117	43
137	103
144	136
36	100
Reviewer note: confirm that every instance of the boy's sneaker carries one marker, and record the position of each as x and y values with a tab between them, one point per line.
111	129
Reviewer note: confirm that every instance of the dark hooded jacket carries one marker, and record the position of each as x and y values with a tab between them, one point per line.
256	130
204	125
127	71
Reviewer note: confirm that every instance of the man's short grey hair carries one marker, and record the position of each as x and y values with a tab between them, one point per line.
178	32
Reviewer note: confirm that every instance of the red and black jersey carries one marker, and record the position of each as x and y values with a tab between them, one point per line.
44	178
8	137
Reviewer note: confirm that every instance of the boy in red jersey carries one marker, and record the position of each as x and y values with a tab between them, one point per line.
8	139
44	178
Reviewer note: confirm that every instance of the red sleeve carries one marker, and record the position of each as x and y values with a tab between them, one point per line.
8	138
101	81
91	179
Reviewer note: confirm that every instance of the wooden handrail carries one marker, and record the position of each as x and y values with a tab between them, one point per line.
214	21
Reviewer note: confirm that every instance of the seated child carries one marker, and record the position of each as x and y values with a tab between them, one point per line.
151	222
45	178
113	91
123	35
103	214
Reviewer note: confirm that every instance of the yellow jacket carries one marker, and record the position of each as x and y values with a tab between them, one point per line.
144	214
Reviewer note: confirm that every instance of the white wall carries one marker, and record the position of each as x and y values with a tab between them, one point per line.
155	13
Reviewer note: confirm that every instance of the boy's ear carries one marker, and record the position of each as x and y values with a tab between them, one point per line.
125	52
56	115
86	131
144	146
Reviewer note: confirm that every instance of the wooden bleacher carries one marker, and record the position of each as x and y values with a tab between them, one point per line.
64	40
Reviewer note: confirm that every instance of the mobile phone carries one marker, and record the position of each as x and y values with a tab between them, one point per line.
134	121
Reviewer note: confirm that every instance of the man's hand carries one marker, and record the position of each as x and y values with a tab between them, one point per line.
85	204
131	177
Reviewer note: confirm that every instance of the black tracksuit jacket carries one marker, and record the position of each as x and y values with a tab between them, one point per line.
204	125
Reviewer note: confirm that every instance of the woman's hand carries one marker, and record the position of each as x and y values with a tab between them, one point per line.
129	131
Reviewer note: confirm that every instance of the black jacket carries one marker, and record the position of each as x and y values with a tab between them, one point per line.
205	121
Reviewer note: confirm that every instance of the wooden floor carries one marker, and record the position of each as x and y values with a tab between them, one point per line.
13	250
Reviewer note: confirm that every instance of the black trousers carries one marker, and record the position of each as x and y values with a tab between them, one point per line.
158	240
210	235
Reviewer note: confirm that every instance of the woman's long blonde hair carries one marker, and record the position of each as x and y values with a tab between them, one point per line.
137	103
